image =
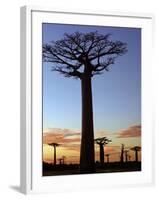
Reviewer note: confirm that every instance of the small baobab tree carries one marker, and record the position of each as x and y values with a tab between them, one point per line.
136	149
54	145
82	56
107	155
126	155
101	142
63	159
60	161
122	153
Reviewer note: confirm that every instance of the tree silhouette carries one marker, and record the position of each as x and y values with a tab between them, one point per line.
101	142
107	155
122	153
126	155
136	149
63	159
54	145
81	56
60	161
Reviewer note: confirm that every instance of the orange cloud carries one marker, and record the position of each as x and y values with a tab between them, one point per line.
133	131
63	131
61	136
74	147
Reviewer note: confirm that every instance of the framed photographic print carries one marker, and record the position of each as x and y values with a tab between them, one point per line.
86	100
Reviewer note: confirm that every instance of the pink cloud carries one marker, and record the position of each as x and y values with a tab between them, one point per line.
61	136
132	131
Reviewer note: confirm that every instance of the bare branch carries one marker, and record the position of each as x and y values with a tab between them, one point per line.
66	73
103	65
114	48
83	53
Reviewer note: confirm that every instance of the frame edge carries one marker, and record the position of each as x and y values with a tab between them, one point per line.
25	72
25	101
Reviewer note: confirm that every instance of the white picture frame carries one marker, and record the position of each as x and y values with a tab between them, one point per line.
31	144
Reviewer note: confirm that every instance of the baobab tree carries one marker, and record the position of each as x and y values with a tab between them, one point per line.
60	161
107	155
122	153
126	155
63	159
101	142
136	149
54	145
82	56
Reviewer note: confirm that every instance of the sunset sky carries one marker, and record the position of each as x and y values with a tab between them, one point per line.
116	99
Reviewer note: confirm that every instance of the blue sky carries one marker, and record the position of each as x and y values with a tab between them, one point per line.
116	94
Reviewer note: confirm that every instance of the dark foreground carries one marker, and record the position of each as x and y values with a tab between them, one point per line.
51	170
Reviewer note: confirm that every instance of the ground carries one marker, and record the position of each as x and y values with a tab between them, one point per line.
51	170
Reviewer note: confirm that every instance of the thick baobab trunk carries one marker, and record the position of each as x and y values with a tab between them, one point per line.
87	140
102	154
54	155
136	156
